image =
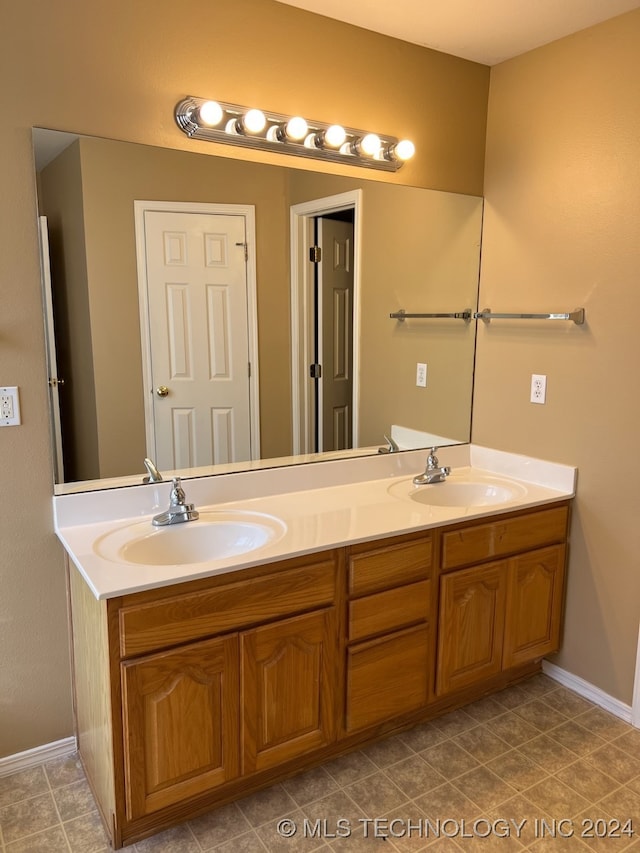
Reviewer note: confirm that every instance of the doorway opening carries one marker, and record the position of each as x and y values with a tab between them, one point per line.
325	308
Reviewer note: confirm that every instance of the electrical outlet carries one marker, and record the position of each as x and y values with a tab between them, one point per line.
9	407
421	375
538	388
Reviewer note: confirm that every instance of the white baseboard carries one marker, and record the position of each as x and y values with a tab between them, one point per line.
38	755
589	691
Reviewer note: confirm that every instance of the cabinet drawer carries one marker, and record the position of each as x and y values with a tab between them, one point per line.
387	677
389	610
481	542
182	618
375	569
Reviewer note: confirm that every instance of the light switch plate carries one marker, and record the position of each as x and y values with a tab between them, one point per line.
9	406
421	375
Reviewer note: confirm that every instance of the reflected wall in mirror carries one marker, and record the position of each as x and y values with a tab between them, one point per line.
416	250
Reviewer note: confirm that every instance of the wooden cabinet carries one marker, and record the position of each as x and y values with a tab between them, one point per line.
185	729
387	677
471	626
195	694
289	689
535	596
389	667
499	615
180	718
185	692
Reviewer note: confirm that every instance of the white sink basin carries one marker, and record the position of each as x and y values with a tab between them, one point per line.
479	491
213	536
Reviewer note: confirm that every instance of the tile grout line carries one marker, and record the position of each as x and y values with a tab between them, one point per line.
55	805
608	740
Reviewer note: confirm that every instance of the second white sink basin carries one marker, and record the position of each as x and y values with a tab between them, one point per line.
456	491
216	535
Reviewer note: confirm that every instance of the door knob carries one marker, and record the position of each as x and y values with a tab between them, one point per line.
162	391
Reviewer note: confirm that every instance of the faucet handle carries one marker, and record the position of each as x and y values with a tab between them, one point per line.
177	497
432	459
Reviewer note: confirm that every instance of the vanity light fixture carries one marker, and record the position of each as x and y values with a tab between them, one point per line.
295	129
236	125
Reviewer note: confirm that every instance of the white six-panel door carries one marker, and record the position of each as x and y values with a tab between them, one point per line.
198	337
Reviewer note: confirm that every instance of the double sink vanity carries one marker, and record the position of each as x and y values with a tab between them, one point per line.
309	610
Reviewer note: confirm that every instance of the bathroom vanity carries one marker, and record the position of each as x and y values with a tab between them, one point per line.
371	609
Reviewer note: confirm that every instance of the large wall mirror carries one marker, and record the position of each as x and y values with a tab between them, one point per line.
163	267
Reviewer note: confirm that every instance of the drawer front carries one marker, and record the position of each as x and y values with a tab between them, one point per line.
230	607
373	570
387	678
389	610
480	542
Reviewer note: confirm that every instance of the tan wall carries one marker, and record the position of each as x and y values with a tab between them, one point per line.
116	70
60	199
420	252
113	176
561	230
437	271
420	249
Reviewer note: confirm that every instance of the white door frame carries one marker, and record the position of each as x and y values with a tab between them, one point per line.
246	210
52	358
302	310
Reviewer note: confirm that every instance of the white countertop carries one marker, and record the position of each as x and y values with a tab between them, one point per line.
322	505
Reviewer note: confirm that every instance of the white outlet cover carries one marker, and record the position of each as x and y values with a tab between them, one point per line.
10	393
538	388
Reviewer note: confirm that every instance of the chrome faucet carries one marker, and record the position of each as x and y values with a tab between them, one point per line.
391	446
153	475
178	511
434	472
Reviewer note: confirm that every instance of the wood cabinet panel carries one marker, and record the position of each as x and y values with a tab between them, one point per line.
387	677
471	626
183	618
389	610
375	569
181	730
534	605
219	686
288	682
481	542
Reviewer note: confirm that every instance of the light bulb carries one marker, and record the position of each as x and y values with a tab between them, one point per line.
296	128
335	135
370	144
210	113
404	150
254	121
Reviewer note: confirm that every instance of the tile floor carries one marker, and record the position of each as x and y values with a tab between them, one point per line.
494	775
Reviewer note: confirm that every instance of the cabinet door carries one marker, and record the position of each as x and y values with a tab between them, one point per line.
289	673
471	626
387	677
181	731
534	605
